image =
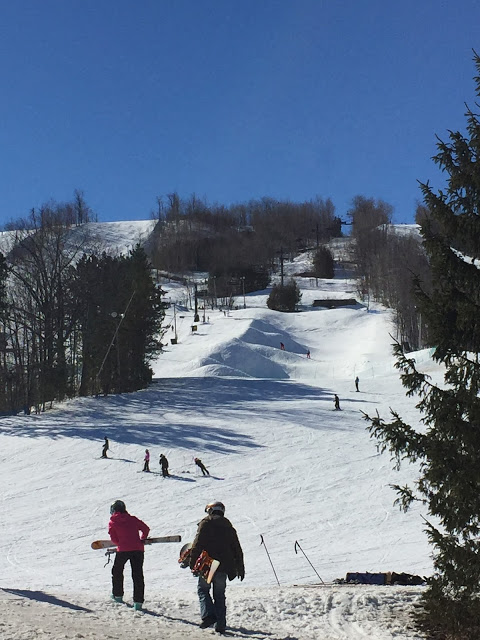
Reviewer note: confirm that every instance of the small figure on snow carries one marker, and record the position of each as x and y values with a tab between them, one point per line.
146	461
282	346
216	536
164	464
337	403
128	533
106	447
357	380
308	354
200	464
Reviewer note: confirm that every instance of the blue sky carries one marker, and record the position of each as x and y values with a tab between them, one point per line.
228	99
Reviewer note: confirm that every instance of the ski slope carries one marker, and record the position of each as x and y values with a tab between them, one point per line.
287	466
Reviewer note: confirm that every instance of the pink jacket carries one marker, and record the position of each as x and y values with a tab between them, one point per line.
124	530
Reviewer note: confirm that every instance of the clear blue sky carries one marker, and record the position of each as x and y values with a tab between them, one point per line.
228	99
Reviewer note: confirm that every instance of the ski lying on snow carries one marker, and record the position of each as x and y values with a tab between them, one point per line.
106	544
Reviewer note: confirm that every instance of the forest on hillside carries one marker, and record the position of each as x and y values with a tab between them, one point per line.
239	247
73	320
67	327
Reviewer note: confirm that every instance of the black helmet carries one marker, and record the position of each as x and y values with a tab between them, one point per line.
213	507
118	506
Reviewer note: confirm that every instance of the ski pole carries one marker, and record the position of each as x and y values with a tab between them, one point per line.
263	542
298	545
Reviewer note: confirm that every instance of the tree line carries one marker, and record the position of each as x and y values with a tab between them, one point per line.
239	245
387	263
73	319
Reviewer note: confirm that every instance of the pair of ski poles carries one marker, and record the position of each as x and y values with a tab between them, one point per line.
297	544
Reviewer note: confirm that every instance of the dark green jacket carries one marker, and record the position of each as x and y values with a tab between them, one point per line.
218	538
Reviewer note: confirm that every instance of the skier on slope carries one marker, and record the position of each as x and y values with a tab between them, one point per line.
200	464
106	447
218	538
337	403
164	464
128	533
146	461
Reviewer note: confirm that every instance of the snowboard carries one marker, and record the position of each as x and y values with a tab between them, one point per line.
106	544
184	558
205	566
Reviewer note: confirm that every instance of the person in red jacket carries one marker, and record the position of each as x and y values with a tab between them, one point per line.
129	534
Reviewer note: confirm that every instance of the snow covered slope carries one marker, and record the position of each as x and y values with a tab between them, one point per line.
287	466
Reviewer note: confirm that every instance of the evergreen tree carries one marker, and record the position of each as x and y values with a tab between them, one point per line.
284	298
121	317
4	374
447	443
323	263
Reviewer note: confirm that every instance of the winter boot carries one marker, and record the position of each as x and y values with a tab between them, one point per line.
137	606
117	598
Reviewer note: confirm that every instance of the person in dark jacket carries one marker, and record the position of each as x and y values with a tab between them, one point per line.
129	534
337	402
164	464
218	538
200	464
106	447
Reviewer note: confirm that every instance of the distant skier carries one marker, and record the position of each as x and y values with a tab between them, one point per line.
128	533
200	464
282	346
308	354
106	447
164	464
337	403
146	461
216	536
356	384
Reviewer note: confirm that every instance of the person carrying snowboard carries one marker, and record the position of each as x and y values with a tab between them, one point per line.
216	536
200	464
164	464
129	534
106	447
146	461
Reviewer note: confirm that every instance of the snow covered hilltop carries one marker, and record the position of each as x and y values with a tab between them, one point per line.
284	462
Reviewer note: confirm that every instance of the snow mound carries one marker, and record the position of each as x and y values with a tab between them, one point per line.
264	333
238	359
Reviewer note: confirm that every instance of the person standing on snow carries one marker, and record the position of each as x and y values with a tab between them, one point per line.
357	380
200	464
146	461
129	534
106	447
337	403
218	538
164	464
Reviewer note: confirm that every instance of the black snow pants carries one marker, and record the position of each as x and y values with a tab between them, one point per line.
136	565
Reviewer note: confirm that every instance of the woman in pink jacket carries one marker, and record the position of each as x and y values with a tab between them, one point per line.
128	533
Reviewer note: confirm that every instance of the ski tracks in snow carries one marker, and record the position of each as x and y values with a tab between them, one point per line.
331	612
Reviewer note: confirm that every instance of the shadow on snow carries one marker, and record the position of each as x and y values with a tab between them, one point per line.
175	412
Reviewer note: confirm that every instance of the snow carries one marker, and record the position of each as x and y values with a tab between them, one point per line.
287	466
